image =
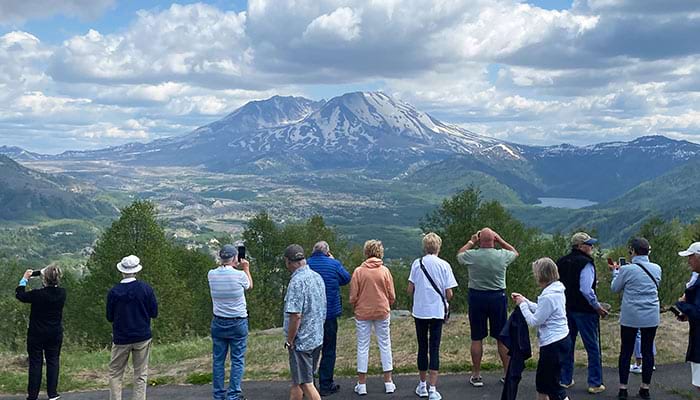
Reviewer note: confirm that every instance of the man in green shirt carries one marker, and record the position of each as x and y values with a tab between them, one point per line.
487	298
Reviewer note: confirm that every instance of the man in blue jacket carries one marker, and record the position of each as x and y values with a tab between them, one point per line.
334	276
131	305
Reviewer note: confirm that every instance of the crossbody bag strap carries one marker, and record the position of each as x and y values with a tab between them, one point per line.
432	283
650	276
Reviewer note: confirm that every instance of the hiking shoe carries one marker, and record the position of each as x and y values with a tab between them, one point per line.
422	390
434	394
327	392
476	381
644	393
635	369
389	387
622	394
565	386
361	389
596	389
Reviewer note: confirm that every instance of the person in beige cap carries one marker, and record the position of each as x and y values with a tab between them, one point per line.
131	305
583	311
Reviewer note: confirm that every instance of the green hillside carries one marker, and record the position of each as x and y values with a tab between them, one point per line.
28	195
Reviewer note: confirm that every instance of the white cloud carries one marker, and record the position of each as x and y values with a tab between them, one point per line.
601	70
110	131
195	43
18	11
342	24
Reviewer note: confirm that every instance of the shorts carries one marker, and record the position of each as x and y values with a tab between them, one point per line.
302	365
695	372
487	306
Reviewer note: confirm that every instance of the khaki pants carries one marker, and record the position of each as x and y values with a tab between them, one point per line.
120	357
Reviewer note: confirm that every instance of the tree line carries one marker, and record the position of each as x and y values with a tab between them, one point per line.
179	275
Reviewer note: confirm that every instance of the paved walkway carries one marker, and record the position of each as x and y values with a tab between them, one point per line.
670	382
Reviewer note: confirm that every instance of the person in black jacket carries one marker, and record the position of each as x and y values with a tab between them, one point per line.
45	333
583	311
689	306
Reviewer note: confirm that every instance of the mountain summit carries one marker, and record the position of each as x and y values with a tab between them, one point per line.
366	130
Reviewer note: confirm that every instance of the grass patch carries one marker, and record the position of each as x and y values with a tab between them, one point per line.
189	361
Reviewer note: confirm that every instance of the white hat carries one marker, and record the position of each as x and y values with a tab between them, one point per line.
693	249
129	265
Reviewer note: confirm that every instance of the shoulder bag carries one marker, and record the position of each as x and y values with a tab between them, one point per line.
439	292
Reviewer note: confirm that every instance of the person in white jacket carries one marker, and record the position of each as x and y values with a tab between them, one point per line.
549	316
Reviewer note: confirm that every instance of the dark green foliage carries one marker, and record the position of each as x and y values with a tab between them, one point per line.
465	213
265	243
177	275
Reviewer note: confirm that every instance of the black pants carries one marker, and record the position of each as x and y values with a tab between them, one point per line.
627	338
325	369
39	348
425	328
552	357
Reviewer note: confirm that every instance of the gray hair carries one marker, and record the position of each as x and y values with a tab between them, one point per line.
322	246
51	275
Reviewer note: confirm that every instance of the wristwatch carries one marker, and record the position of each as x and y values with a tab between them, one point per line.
287	345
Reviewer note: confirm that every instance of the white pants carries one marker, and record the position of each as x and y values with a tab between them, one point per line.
383	332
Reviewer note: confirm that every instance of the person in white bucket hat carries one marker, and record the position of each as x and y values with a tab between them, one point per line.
131	305
689	306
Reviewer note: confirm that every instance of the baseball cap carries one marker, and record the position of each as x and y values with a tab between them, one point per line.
228	251
693	249
582	238
294	252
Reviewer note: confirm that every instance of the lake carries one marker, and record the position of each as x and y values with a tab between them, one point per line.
563	202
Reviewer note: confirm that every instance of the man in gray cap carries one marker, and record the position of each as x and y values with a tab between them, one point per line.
304	315
131	305
583	311
229	327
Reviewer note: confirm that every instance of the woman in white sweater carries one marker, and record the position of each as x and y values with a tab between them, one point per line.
549	316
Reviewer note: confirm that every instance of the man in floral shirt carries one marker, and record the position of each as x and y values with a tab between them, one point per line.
304	315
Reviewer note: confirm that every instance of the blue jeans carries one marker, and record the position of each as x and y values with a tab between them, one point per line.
228	334
587	324
325	369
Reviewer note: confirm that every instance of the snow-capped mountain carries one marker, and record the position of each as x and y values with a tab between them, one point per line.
369	125
380	135
355	130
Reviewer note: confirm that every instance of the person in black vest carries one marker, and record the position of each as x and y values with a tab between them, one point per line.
45	334
577	273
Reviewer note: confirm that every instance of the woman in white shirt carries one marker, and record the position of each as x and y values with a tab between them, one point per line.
549	316
429	310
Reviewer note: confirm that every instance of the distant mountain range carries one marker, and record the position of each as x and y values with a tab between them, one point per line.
384	138
388	138
26	195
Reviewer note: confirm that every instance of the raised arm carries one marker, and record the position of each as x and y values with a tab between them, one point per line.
505	244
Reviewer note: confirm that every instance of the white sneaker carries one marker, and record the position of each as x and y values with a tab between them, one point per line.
635	369
389	387
422	390
361	389
55	398
434	394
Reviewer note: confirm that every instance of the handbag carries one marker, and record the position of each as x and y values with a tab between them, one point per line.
432	283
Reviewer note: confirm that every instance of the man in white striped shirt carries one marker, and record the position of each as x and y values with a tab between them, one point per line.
229	327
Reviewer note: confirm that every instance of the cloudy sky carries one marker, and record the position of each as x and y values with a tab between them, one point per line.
84	74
